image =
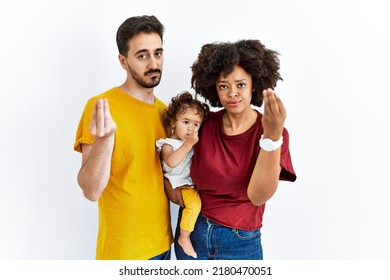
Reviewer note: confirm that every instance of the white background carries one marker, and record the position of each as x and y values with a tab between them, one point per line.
54	55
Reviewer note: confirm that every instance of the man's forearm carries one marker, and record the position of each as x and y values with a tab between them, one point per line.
95	172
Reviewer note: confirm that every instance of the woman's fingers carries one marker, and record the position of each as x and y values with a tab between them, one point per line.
274	114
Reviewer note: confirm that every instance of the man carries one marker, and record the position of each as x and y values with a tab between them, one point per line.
120	165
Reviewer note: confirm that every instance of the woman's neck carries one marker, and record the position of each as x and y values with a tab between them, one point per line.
234	124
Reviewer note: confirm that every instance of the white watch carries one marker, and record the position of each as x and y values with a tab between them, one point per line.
268	145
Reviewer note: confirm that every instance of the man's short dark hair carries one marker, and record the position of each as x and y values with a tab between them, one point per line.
135	25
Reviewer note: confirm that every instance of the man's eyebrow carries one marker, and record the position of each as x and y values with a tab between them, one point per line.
147	51
141	51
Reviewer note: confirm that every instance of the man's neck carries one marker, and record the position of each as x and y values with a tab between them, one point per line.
143	94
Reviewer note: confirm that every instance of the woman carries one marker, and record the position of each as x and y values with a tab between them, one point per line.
241	154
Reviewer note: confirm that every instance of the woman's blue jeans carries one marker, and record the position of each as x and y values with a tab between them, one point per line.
212	241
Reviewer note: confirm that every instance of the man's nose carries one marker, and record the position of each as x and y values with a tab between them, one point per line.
152	63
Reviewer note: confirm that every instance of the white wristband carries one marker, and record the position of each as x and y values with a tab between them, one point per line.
268	145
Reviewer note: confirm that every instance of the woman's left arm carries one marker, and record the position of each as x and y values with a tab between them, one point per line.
265	176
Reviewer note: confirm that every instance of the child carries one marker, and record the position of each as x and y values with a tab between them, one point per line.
184	117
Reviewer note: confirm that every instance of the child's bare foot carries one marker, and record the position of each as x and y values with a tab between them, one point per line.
185	243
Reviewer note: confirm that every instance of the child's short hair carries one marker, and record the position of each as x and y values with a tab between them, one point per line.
179	104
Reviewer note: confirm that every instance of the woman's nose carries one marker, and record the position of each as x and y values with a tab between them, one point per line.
233	93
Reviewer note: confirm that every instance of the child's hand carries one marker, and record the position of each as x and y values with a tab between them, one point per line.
192	138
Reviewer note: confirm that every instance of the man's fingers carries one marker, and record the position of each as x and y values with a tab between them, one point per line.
92	124
101	124
108	124
100	117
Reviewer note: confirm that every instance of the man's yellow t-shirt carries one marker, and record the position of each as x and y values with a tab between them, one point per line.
134	216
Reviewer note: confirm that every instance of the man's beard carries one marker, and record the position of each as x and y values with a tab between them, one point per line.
142	81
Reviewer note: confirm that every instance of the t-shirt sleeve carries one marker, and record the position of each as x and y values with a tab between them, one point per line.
287	173
160	143
82	134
